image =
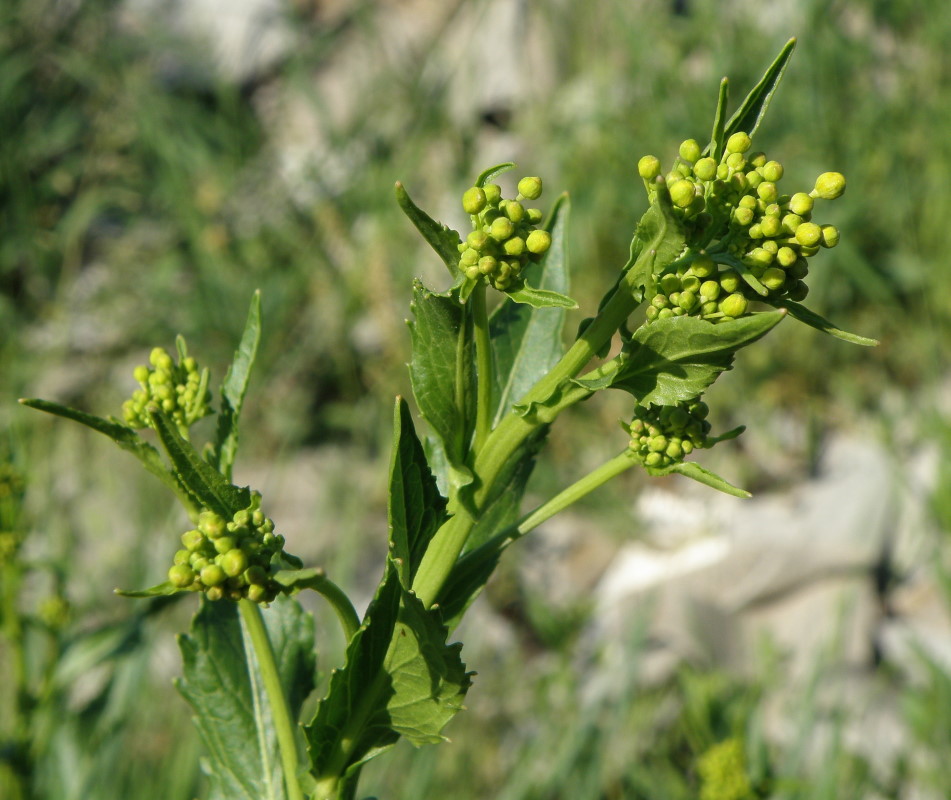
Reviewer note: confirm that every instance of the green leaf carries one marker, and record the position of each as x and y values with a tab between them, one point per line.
658	241
400	679
231	707
206	485
234	387
416	510
440	237
675	359
540	298
492	172
165	589
813	320
745	274
752	110
442	372
693	470
123	436
717	139
527	342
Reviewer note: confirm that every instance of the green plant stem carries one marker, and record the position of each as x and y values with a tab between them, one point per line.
283	725
598	477
508	436
340	603
484	371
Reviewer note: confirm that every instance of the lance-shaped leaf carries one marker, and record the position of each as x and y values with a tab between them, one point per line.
540	298
441	238
717	138
493	172
813	320
526	342
231	707
400	679
676	359
442	373
416	510
123	436
693	470
753	108
233	390
207	486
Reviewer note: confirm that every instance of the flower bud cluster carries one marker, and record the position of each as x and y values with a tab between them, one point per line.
179	389
505	236
663	435
229	558
733	211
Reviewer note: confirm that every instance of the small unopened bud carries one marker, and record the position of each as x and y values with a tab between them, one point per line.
808	234
492	193
181	576
773	278
648	167
739	142
829	185
703	266
538	242
734	305
801	203
213	575
705	169
772	171
682	193
501	229
530	188
689	150
830	236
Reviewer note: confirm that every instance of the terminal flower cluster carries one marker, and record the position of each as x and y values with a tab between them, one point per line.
504	237
230	558
177	389
663	435
746	240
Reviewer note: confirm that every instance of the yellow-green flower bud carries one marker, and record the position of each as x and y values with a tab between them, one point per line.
181	576
773	279
488	265
530	188
757	160
141	374
213	575
514	246
710	290
193	539
501	229
801	203
472	272
214	593
493	192
682	193
734	305
648	167
690	283
791	223
736	162
799	270
808	234
538	242
767	192
705	169
772	171
675	450
234	562
688	301
470	257
703	266
753	179
730	281
770	226
181	557
743	217
514	210
829	185
689	150
477	240
224	544
670	283
739	142
830	236
534	216
758	256
786	257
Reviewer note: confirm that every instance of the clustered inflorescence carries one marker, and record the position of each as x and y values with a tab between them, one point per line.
736	221
178	389
662	435
229	558
504	237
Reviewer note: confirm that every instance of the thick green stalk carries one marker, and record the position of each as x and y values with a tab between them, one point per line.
484	371
508	436
280	714
340	603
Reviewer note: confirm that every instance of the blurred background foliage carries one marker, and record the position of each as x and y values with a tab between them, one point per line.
147	190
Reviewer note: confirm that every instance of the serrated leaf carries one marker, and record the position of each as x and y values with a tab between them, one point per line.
123	436
442	371
526	342
753	108
493	172
717	139
441	238
401	679
234	387
813	320
676	359
232	712
208	487
415	510
691	469
658	241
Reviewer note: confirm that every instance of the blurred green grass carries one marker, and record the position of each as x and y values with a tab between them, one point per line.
135	205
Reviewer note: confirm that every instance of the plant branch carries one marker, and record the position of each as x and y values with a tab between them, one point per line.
283	725
484	369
